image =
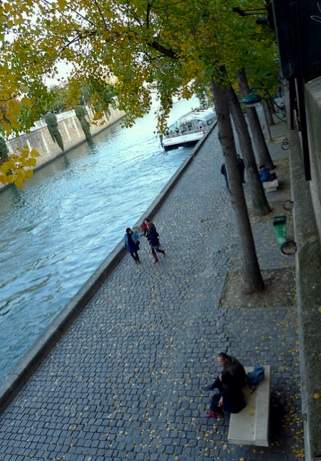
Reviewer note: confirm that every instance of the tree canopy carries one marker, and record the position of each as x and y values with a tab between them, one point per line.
147	45
174	47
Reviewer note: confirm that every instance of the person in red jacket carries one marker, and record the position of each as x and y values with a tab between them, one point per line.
153	239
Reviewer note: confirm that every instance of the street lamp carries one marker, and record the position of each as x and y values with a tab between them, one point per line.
262	21
251	12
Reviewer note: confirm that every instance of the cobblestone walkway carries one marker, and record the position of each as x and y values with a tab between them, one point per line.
125	381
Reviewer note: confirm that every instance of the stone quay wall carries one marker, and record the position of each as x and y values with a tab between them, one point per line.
70	130
313	103
306	196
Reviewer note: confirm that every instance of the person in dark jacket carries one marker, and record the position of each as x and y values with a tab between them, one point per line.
241	168
131	240
266	175
153	239
229	386
224	173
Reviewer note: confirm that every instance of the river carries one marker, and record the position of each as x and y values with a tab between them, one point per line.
57	230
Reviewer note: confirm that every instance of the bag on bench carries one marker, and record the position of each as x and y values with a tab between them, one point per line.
256	376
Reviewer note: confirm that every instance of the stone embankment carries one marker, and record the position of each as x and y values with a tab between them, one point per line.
70	130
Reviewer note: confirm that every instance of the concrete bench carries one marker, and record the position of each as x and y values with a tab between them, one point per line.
271	186
251	425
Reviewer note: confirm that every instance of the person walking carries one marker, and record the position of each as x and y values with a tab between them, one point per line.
229	386
131	240
224	173
153	239
241	168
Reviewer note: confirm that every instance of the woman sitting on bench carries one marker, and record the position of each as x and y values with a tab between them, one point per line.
229	386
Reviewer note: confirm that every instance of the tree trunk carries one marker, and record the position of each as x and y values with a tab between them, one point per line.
266	119
251	273
271	106
259	201
268	113
261	148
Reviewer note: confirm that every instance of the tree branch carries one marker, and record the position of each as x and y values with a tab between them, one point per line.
76	39
101	14
162	49
46	2
148	10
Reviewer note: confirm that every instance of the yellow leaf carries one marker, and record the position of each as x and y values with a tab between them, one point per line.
31	162
19	182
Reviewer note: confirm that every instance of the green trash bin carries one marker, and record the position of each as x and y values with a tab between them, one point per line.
287	247
279	226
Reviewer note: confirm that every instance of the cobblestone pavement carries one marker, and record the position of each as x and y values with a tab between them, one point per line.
125	382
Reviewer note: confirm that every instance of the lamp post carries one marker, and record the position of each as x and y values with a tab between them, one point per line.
263	21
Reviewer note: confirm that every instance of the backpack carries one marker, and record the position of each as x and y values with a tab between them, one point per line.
256	376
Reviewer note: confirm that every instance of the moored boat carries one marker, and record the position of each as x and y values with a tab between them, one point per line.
189	129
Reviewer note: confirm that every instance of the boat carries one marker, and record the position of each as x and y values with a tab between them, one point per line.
189	129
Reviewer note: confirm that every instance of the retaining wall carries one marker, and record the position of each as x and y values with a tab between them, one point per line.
307	221
313	104
71	132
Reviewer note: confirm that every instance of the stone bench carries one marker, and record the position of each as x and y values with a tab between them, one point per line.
251	425
271	186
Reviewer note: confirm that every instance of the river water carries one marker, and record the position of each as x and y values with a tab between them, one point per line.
57	230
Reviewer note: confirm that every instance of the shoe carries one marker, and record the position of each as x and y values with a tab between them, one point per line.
212	414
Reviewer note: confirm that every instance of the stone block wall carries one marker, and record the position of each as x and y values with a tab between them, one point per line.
307	222
71	133
313	105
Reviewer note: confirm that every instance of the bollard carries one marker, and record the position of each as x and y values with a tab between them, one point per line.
287	247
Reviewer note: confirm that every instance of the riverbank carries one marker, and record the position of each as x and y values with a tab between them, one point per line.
125	380
70	215
53	332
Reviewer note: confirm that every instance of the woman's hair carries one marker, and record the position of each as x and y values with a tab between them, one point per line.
128	230
223	356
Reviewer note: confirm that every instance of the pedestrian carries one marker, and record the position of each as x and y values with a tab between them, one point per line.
241	167
153	239
266	175
228	386
131	240
224	173
144	227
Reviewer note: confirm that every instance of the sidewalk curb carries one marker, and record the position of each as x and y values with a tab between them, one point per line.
15	380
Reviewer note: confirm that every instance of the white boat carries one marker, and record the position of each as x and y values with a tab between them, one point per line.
189	129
